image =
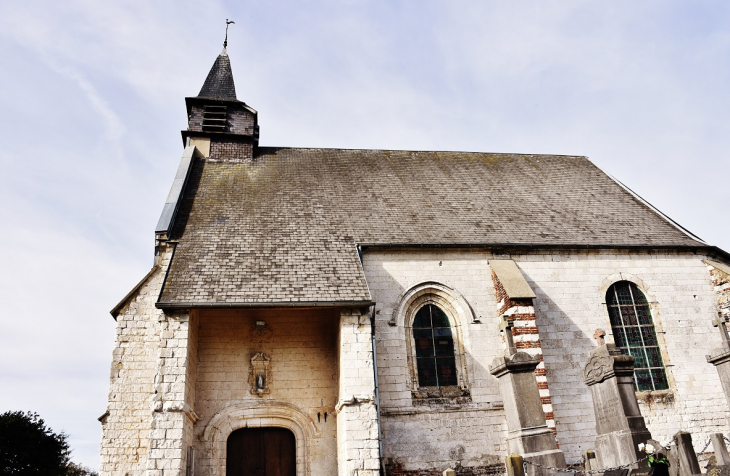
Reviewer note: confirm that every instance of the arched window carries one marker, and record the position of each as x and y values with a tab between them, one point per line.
634	333
435	359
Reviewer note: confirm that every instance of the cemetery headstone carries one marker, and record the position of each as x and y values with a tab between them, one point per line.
641	472
718	445
720	357
619	424
687	458
527	433
589	460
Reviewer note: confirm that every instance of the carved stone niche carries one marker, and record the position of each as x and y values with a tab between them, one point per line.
259	376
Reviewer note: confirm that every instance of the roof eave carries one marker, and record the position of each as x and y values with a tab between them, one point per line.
260	305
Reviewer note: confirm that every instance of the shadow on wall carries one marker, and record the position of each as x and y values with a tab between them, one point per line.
434	435
566	349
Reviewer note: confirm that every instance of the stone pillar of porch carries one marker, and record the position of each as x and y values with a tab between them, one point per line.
357	421
171	432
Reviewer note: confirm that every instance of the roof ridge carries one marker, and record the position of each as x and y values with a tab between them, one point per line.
471	152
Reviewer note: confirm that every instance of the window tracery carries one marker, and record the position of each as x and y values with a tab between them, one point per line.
634	333
435	357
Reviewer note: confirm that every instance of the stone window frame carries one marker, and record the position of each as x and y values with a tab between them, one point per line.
458	312
658	329
268	414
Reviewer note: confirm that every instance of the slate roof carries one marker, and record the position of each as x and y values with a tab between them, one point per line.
283	227
219	82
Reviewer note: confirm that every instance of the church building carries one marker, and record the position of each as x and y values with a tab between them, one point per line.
322	312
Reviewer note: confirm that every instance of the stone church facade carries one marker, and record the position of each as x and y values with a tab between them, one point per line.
330	311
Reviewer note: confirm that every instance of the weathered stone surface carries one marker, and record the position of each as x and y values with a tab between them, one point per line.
589	460
719	470
722	457
357	419
570	287
619	424
617	472
515	465
527	433
686	456
646	471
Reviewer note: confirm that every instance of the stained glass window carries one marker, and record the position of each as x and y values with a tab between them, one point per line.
634	333
434	342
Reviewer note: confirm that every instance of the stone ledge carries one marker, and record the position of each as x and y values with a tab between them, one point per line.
655	396
461	408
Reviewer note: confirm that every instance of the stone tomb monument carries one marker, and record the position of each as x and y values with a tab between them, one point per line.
527	433
619	424
720	357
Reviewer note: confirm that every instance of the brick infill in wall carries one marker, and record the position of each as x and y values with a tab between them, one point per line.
489	470
526	338
228	150
721	283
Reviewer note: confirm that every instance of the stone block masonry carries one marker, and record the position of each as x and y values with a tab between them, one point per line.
570	288
720	279
425	435
126	431
302	383
171	432
526	338
358	452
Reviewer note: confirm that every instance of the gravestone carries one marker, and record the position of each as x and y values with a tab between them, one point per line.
718	446
718	471
527	433
589	460
640	472
514	465
720	357
687	463
619	424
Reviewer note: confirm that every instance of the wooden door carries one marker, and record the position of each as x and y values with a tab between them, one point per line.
261	452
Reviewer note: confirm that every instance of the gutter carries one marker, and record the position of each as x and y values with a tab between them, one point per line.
709	249
238	305
571	246
377	388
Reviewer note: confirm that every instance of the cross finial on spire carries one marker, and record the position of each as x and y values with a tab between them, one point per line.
228	22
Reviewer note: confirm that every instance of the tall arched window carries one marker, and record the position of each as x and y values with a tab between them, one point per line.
435	359
634	333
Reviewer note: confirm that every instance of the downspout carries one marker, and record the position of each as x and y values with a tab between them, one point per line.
377	390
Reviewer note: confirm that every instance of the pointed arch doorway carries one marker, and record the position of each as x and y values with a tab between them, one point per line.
261	452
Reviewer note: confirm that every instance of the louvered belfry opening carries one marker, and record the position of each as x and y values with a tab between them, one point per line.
215	118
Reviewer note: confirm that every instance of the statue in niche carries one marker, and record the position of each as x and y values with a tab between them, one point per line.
260	374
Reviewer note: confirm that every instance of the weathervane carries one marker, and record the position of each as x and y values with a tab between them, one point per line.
225	42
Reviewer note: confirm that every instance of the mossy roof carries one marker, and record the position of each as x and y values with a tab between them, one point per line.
285	225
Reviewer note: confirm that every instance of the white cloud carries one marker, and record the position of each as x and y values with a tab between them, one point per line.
92	104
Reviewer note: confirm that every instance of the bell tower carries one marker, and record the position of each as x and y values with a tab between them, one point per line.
219	125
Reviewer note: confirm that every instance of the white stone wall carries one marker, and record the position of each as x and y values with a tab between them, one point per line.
302	346
437	436
126	432
357	421
171	428
570	288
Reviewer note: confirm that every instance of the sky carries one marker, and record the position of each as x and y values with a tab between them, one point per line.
92	104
